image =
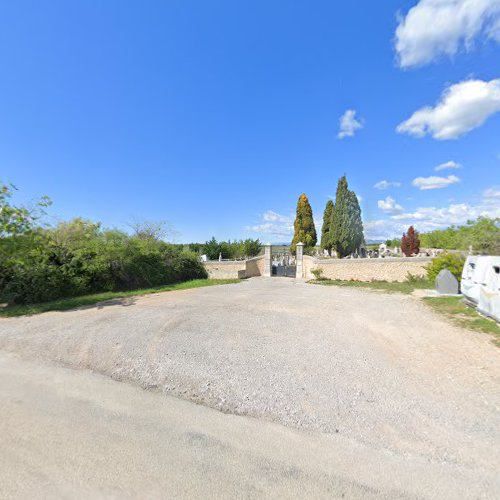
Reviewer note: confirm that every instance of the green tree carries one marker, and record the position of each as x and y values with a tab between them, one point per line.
346	229
15	220
304	230
326	243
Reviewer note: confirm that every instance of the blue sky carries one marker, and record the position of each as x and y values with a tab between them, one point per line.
216	116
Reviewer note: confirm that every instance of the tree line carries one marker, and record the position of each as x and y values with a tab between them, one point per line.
79	257
481	234
237	249
342	229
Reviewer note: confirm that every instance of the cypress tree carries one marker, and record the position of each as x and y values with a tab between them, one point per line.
326	243
355	222
304	230
346	228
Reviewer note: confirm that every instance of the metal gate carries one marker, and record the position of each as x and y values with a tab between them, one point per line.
284	265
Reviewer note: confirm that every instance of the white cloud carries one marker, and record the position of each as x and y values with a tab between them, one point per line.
463	107
434	182
430	218
389	206
349	124
447	165
386	184
274	224
435	28
492	193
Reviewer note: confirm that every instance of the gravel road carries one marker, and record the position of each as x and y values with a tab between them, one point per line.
380	371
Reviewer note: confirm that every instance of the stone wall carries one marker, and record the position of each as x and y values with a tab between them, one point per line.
255	267
230	269
234	269
387	269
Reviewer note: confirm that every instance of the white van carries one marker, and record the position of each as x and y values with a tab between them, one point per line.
489	293
467	274
481	269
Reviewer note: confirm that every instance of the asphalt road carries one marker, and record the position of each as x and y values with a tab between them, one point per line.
323	392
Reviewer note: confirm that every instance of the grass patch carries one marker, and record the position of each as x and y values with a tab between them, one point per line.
467	317
391	287
87	300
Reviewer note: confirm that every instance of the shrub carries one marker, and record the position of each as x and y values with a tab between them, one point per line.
454	262
78	258
318	274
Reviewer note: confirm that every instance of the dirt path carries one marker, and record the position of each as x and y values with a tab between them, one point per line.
381	372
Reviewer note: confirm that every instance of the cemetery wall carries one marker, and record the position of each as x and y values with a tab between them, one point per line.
230	269
386	269
254	267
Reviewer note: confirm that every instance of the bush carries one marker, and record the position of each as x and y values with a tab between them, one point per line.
454	262
318	274
79	258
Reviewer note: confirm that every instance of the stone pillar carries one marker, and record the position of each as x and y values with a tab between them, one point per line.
268	260
299	259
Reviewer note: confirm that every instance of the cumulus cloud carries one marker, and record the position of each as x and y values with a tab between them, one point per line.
492	193
386	184
435	28
389	206
349	124
447	165
273	224
434	182
430	218
463	107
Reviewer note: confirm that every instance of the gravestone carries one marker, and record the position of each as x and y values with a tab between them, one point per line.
446	283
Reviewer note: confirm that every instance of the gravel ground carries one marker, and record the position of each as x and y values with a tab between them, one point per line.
380	370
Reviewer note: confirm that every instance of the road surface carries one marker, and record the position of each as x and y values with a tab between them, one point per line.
321	392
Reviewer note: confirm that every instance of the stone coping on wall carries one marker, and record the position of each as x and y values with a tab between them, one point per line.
333	260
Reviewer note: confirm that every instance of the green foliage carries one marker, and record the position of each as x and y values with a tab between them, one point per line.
482	234
408	286
16	220
395	242
466	317
304	229
454	262
326	243
346	226
317	273
238	249
79	257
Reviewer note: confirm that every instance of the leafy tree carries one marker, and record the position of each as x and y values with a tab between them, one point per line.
152	230
483	235
410	242
326	243
15	220
304	229
395	242
212	249
230	249
346	229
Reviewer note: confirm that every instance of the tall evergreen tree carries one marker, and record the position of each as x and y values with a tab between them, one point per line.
326	243
304	230
346	228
